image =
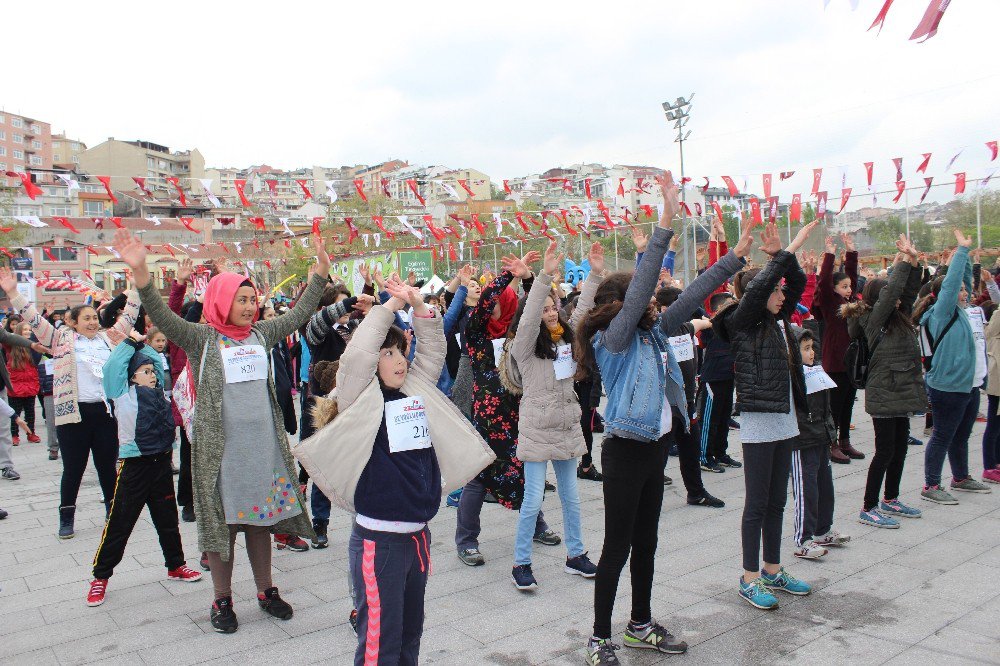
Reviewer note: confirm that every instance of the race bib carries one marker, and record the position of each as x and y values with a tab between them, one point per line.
683	347
817	379
244	364
564	365
406	424
48	366
96	368
498	350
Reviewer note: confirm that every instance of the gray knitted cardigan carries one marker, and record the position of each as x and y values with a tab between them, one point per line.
209	438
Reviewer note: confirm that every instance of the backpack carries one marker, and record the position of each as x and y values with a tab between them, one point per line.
510	376
928	344
857	358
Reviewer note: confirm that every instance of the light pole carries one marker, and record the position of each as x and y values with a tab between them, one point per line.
679	112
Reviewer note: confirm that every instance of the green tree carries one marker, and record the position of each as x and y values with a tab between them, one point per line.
962	215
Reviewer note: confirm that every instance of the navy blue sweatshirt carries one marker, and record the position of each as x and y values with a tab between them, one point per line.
403	486
717	365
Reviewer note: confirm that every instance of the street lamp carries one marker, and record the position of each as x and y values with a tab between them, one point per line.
679	112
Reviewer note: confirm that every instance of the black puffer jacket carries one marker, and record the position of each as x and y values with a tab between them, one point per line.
764	358
816	420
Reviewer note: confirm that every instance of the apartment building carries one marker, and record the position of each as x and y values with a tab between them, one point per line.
25	144
124	159
66	152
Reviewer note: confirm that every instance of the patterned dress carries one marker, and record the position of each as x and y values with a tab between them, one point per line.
494	410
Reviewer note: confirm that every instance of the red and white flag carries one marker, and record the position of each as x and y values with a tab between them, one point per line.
898	161
880	18
206	184
923	165
845	196
900	188
731	185
928	25
927	188
767	185
795	211
817	177
960	182
992	146
869	169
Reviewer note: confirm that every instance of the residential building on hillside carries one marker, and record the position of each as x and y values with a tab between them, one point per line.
25	147
123	160
66	152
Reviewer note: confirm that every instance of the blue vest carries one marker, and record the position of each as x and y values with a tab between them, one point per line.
637	385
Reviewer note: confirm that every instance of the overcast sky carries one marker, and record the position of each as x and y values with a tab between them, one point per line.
514	88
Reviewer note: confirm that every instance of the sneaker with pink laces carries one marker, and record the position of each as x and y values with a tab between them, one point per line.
991	475
98	587
184	573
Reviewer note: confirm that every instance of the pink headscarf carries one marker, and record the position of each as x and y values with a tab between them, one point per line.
218	302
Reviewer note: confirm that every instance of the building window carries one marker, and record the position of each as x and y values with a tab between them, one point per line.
61	211
3	135
150	163
36	144
35	129
17	138
17	122
36	160
76	159
62	254
18	154
3	151
3	118
74	146
3	166
94	208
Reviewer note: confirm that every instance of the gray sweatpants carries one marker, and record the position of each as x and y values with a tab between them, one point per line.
6	441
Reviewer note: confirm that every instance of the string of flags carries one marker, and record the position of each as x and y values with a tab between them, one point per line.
928	25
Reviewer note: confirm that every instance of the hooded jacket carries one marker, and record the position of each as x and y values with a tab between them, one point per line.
816	426
145	421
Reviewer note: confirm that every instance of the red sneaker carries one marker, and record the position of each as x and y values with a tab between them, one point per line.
290	542
16	440
184	573
98	586
34	439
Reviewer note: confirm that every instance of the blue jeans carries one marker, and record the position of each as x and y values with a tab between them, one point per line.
534	490
954	416
320	506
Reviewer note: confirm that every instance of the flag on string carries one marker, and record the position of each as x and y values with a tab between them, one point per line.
900	188
704	188
952	161
928	25
898	161
785	175
404	220
795	211
755	213
187	222
412	184
30	188
240	185
960	182
927	188
305	189
718	210
923	165
258	222
817	177
821	205
767	185
71	184
731	185
106	181
206	184
359	187
506	186
173	180
66	223
586	187
992	146
30	220
464	184
845	196
772	209
331	191
880	18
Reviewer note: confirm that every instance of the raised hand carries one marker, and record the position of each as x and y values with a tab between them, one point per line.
718	230
905	246
963	240
365	273
8	281
596	258
411	278
801	237
133	253
515	266
671	200
550	266
830	247
399	294
365	303
465	273
322	258
184	270
745	243
770	243
665	279
809	262
531	257
639	239
416	301
985	276
379	280
848	241
675	240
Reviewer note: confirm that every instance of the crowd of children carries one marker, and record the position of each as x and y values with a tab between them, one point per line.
475	392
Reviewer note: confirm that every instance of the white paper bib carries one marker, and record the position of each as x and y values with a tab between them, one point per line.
683	347
817	379
497	350
244	364
406	424
564	365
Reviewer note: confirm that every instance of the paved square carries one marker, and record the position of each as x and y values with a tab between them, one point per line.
926	593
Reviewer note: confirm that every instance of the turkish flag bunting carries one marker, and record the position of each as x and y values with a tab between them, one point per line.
48	253
704	188
821	198
305	188
141	182
880	19
66	223
767	186
731	185
772	209
586	187
258	222
187	222
927	188
520	220
755	214
817	177
117	221
223	246
352	231
464	184
923	165
648	210
315	227
900	188
869	169
697	209
506	186
98	222
928	25
845	196
898	161
718	210
359	185
437	233
960	182
240	186
785	175
177	185
106	181
621	187
412	183
795	211
992	145
476	223
169	250
451	252
475	248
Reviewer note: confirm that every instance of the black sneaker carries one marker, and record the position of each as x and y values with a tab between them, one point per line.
712	466
523	578
550	487
321	540
674	452
223	618
187	514
274	605
653	637
706	500
727	461
667	481
602	652
352	619
547	538
580	566
591	474
3	514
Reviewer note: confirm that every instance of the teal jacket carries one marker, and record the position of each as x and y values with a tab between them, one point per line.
954	366
145	420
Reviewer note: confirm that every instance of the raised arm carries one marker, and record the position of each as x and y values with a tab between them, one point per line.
279	328
359	362
40	326
126	320
947	299
116	375
640	291
585	303
321	322
886	303
455	309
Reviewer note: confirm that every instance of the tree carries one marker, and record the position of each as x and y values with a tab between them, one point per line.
962	214
885	232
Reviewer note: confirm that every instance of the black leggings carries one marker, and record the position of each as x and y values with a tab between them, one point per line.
26	405
633	494
583	390
766	467
185	495
842	404
95	435
891	437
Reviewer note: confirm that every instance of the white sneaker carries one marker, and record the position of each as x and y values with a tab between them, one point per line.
810	550
831	538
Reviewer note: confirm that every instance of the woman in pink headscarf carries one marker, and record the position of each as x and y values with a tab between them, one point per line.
242	470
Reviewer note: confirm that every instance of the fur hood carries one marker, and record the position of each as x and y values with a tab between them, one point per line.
324	409
853	310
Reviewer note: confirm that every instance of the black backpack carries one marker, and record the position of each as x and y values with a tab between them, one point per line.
928	344
857	358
